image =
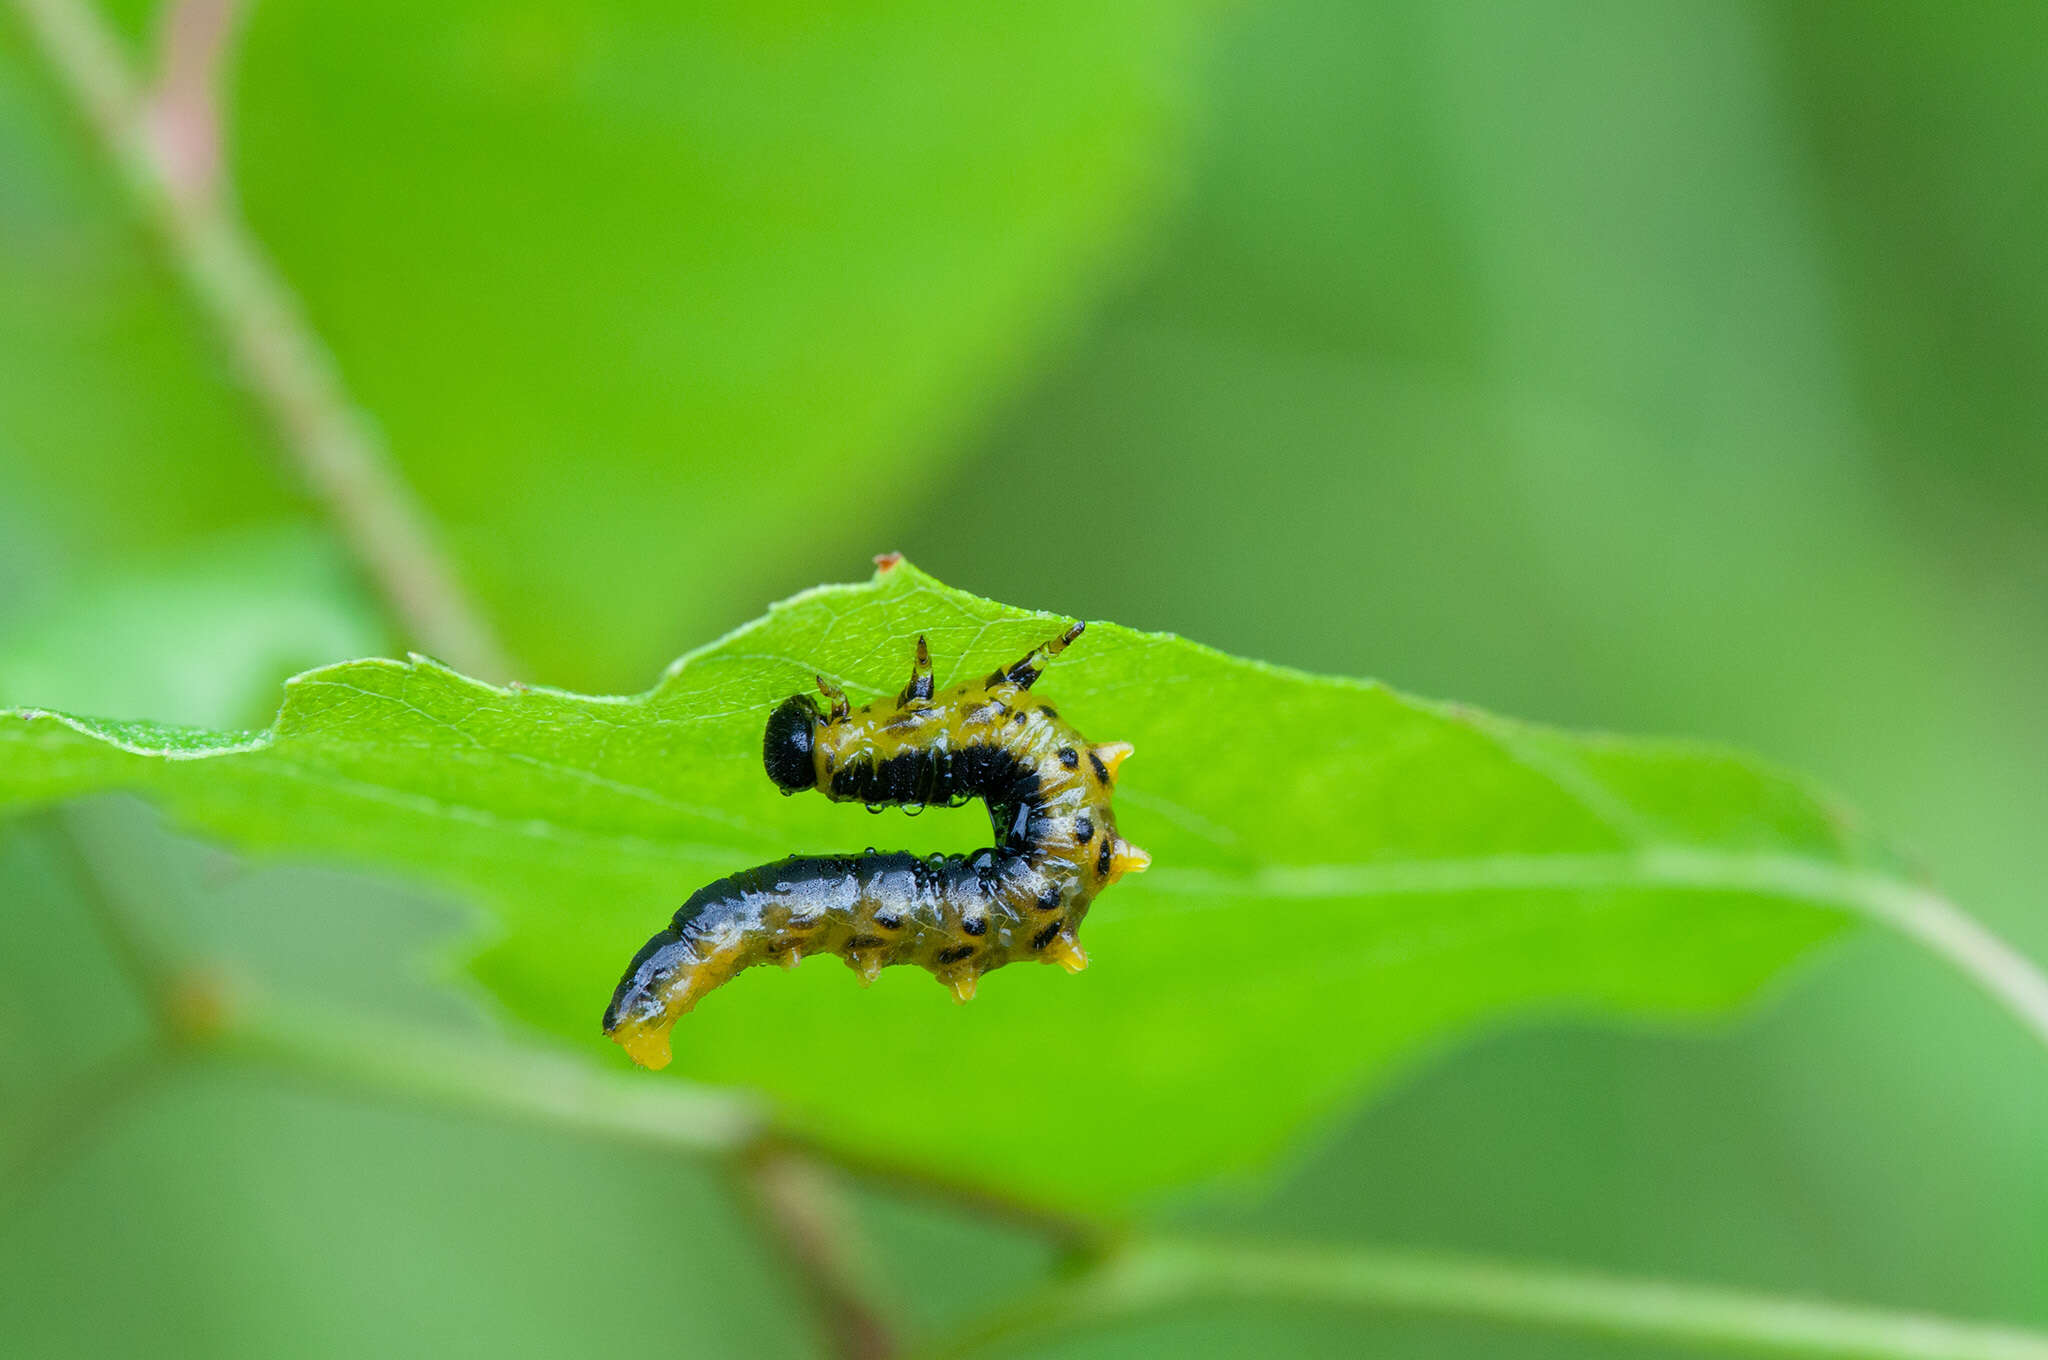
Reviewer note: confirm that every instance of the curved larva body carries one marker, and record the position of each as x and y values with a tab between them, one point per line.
958	916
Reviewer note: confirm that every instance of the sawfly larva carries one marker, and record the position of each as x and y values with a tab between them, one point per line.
959	916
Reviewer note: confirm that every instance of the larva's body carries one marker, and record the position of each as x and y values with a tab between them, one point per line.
958	916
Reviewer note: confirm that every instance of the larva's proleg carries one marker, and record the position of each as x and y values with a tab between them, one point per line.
959	916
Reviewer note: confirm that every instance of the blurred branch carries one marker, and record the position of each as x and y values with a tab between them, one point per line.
2010	977
489	1075
1154	1275
172	1001
67	1117
194	38
810	1222
1079	1237
334	448
151	975
1921	915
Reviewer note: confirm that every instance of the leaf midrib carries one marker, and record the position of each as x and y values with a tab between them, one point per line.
1653	865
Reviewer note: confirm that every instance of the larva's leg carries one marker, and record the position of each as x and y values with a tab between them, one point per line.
1108	757
1024	672
1126	858
1064	950
840	708
920	686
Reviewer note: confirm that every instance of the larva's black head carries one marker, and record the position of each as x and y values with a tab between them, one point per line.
786	746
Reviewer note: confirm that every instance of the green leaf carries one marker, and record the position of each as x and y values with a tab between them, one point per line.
1342	875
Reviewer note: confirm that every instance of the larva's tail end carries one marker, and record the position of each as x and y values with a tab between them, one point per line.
1127	859
646	1045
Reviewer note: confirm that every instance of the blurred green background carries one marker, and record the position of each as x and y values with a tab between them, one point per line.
1665	368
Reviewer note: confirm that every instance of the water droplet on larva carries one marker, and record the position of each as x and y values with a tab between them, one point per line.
874	808
913	809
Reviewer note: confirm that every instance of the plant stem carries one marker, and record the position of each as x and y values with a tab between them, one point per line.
65	1118
1149	1276
1921	915
195	40
810	1222
151	976
487	1074
1075	1234
333	447
2010	977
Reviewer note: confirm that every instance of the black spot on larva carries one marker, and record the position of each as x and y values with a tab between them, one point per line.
1102	860
1101	770
1069	757
974	925
865	942
955	954
1045	937
1084	829
1049	900
891	921
1021	715
1048	710
994	678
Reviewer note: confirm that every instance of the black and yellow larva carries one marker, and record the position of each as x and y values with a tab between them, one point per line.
959	916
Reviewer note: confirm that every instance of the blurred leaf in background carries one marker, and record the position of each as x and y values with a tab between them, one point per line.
723	279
